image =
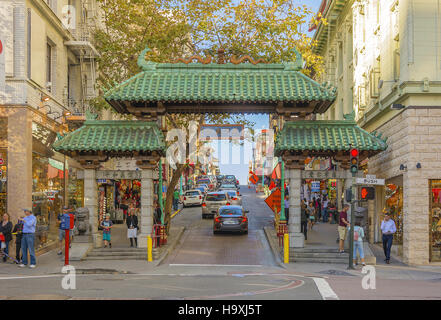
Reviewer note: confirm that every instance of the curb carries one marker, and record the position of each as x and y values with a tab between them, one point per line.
177	212
171	248
274	248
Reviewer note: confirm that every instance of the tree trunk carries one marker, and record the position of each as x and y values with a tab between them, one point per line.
169	195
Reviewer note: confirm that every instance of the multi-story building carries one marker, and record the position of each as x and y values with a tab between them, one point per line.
385	58
48	76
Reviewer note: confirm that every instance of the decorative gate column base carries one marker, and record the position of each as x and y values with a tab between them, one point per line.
296	240
97	239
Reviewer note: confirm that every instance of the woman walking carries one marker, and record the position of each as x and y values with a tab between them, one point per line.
132	225
107	226
5	235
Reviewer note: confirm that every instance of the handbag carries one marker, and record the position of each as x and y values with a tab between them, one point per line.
2	238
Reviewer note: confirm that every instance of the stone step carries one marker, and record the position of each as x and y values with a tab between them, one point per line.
133	250
318	260
102	254
321	255
133	257
314	250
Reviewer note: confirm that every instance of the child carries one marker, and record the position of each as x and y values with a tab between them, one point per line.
18	231
107	225
358	243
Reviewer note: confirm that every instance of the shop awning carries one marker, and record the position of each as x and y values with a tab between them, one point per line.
326	138
112	138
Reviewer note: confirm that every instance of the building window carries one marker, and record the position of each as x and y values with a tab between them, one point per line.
396	61
374	79
340	59
361	92
435	220
394	206
48	66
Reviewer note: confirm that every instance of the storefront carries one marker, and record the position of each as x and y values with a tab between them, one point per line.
435	220
3	180
75	188
114	197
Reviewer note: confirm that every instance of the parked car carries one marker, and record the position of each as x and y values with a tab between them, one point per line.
231	218
228	187
202	189
213	201
192	198
235	196
208	182
231	179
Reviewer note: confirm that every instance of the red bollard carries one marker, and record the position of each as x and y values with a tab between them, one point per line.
66	248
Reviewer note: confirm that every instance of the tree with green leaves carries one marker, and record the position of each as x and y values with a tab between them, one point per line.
268	29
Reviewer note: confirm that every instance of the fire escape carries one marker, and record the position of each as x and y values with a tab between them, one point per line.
84	15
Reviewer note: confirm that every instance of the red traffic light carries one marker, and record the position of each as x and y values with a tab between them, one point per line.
367	193
354	153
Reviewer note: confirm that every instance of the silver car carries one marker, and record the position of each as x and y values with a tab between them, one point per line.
235	196
213	201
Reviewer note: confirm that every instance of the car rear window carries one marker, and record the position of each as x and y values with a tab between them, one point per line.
230	186
204	181
232	193
230	177
230	212
201	188
192	193
216	197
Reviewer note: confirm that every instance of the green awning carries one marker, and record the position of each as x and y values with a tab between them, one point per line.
326	136
113	137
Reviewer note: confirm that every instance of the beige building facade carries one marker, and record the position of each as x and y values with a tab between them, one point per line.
385	58
48	76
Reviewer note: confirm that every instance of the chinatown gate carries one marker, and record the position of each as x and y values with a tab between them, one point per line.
240	85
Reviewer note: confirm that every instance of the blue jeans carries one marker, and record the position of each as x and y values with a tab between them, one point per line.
27	243
387	244
175	204
325	214
358	245
6	249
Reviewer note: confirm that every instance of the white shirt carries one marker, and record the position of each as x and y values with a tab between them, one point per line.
388	227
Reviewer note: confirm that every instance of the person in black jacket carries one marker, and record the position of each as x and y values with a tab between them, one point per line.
132	225
5	231
18	230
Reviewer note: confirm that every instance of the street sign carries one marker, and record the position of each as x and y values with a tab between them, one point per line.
273	201
379	182
253	178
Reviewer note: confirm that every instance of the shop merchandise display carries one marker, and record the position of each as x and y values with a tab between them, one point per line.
394	206
435	230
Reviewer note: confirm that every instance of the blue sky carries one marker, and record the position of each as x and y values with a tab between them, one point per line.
223	149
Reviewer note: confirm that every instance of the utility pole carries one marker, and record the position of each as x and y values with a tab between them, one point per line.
282	192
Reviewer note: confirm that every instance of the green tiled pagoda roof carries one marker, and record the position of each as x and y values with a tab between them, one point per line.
219	83
113	137
321	136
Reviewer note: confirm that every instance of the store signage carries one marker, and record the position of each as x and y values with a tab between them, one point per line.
1	162
315	186
325	174
117	175
379	182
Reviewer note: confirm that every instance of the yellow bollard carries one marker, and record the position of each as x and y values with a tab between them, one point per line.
149	249
286	248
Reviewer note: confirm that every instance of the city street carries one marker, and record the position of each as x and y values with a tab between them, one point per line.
207	266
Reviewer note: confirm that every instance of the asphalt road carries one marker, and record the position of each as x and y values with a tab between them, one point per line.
200	246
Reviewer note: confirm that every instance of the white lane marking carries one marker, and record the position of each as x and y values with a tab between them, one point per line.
215	265
325	289
32	277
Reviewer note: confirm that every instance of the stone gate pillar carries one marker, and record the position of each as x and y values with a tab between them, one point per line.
296	237
91	203
147	209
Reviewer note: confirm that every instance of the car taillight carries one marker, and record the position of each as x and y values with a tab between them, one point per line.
185	198
237	192
234	199
200	197
228	204
217	220
244	219
204	205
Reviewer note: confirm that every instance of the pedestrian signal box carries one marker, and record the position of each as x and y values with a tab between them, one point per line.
367	193
67	221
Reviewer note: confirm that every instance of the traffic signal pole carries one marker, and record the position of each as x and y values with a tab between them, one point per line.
354	170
